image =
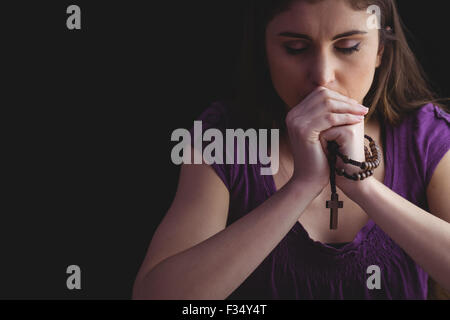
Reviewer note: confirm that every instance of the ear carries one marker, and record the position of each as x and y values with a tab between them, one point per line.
380	56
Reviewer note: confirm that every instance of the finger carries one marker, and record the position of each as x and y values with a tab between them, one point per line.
333	107
324	144
309	103
350	141
333	102
337	96
339	106
334	120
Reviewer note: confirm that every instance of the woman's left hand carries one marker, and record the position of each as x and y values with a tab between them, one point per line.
350	139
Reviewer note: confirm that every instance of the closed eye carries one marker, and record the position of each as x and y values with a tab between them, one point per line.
349	50
346	51
295	51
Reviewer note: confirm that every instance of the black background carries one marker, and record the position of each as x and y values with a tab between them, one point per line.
88	116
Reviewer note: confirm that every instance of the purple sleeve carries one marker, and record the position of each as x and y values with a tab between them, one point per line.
432	133
215	116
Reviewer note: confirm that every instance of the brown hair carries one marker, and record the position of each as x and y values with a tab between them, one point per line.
400	85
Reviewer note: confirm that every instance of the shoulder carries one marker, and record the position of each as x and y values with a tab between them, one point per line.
431	133
435	141
419	142
431	127
216	115
431	114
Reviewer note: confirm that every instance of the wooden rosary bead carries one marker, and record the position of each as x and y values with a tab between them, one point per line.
355	176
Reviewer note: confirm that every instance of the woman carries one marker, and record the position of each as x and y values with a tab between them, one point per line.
309	68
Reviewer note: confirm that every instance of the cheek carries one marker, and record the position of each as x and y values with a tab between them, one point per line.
358	78
286	74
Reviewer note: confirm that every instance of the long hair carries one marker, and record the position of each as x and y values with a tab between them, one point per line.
400	85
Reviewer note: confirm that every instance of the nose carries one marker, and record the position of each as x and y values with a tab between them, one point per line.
321	70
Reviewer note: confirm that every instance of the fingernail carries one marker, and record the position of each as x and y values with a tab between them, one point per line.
365	108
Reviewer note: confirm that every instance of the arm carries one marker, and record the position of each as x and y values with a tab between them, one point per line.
424	236
218	264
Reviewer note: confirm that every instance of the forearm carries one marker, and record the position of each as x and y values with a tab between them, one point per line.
214	268
423	236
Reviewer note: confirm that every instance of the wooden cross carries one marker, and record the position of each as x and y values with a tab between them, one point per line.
334	204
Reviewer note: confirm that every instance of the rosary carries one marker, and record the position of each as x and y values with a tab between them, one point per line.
368	166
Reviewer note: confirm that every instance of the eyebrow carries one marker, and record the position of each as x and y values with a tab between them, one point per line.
304	36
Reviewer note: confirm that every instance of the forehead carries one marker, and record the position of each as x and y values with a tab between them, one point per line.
320	20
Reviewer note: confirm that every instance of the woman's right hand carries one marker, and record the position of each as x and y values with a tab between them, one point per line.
320	110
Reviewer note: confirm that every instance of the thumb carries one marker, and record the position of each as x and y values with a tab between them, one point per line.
324	143
332	134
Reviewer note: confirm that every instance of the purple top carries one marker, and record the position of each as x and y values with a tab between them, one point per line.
301	268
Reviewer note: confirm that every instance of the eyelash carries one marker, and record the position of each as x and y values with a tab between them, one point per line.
346	51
